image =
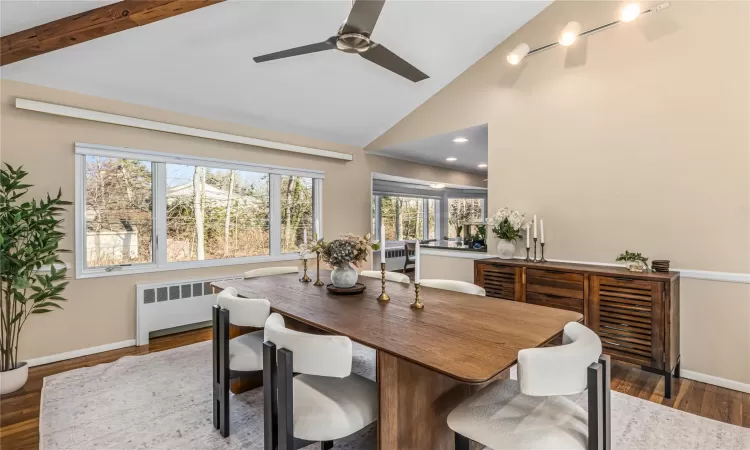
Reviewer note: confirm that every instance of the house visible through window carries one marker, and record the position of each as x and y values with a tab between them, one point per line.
153	211
118	211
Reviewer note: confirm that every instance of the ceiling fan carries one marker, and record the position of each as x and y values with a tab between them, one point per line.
354	37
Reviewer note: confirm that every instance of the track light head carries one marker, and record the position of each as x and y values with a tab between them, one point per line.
570	34
630	12
518	53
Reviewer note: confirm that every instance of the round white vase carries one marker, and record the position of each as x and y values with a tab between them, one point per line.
505	249
344	276
14	379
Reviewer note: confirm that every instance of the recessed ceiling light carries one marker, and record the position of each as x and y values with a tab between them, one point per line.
460	140
437	185
451	159
482	166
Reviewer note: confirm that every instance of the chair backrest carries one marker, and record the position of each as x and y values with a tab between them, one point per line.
268	271
453	285
244	312
390	276
409	247
313	354
559	370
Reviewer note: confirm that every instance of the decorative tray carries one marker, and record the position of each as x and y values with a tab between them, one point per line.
356	289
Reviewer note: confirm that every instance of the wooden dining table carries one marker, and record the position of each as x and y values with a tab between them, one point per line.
428	360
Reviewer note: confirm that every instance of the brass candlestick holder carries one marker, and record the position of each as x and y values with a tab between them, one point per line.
417	304
527	254
542	260
535	260
305	278
317	276
383	296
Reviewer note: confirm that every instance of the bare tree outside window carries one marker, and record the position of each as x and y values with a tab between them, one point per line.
462	210
118	211
296	211
216	213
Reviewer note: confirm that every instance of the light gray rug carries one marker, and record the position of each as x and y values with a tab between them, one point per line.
163	401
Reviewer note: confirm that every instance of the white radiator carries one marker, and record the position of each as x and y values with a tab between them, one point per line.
164	305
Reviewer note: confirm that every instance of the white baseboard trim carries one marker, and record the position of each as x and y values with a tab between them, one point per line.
717	381
81	352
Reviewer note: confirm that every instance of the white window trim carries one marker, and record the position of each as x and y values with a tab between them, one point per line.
159	237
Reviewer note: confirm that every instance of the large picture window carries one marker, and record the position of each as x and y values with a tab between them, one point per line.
148	211
407	218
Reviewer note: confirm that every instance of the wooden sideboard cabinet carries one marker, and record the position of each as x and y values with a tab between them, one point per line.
637	315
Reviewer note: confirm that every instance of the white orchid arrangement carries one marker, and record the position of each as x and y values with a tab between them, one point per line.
507	224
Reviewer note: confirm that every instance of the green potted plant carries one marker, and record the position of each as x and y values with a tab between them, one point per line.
635	262
30	282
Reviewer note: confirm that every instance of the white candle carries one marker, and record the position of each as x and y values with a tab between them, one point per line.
304	235
416	263
541	224
382	243
528	238
534	226
316	230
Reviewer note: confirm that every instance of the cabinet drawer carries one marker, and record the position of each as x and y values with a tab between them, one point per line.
555	301
557	284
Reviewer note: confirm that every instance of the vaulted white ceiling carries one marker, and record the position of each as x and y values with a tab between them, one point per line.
201	63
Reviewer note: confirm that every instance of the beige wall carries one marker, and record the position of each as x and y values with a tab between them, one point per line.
102	310
447	268
636	138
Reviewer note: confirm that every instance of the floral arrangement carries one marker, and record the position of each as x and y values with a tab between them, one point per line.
349	248
507	224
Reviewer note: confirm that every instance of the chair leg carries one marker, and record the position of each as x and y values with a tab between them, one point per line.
326	445
462	442
215	367
595	386
224	371
285	397
270	407
606	363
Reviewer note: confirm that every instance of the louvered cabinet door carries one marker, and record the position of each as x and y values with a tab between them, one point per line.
628	316
500	281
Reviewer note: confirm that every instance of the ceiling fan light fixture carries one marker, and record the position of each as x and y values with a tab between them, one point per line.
353	43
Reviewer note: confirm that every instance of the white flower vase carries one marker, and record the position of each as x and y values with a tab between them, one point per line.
505	249
344	276
14	379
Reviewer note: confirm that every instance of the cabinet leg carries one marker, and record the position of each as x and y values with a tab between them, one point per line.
668	385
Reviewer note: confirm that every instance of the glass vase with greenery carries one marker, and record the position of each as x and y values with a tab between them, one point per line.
29	253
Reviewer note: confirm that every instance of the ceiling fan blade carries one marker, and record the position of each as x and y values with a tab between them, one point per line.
362	17
328	44
391	61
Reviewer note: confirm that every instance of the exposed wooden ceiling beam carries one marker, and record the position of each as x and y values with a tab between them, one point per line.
90	25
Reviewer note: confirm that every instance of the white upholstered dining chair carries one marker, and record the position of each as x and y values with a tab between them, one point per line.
532	413
389	276
238	357
454	285
325	402
268	271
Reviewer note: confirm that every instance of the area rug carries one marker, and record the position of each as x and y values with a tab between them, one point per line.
163	401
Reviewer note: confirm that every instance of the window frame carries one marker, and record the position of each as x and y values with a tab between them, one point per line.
377	196
159	160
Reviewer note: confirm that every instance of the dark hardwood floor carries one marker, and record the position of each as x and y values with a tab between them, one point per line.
19	411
